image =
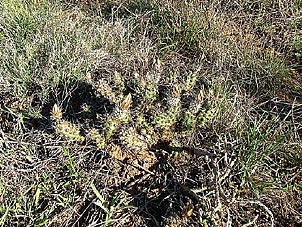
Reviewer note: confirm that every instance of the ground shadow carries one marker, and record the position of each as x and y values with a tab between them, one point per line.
161	197
82	105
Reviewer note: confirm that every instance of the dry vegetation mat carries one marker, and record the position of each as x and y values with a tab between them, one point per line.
150	113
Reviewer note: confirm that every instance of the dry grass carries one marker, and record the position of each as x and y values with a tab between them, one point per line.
150	113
